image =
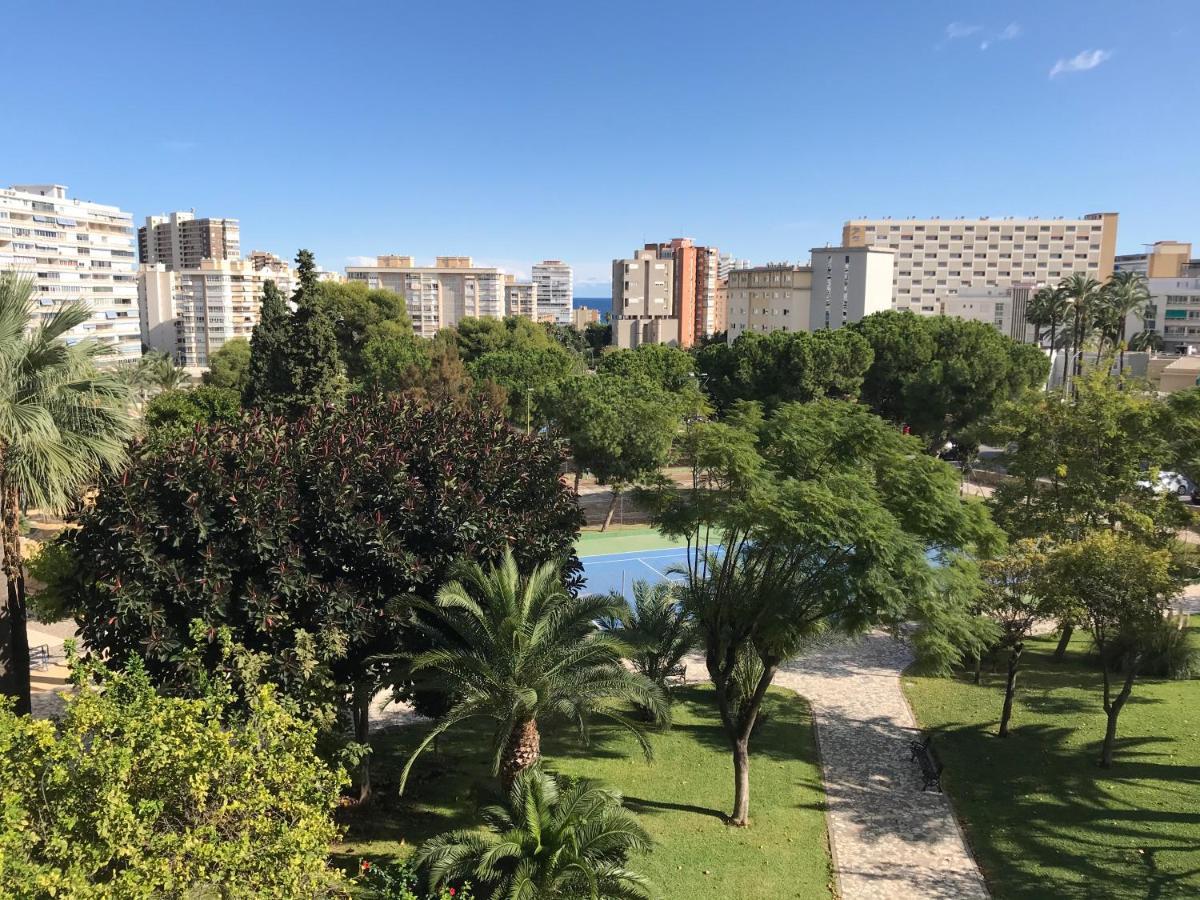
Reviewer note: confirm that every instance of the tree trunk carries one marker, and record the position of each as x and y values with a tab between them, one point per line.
524	749
612	508
362	735
1053	334
1114	710
1010	688
978	667
741	782
14	638
1061	650
578	476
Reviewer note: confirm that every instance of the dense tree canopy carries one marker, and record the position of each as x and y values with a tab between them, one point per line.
1082	464
306	537
361	314
942	375
525	374
826	518
171	414
229	367
475	337
781	366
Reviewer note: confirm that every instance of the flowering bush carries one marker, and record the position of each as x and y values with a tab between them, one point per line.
399	882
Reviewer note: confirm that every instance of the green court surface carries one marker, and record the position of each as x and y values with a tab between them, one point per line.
623	539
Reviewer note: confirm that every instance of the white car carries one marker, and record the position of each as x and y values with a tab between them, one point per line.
1170	483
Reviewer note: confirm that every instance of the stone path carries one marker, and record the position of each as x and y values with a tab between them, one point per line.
890	840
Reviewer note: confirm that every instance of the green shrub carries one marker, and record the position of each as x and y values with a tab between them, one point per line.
137	795
401	882
1168	651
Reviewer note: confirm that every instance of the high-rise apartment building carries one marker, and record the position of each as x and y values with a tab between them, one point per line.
191	313
180	241
697	272
555	284
938	258
75	250
643	301
839	287
1162	259
437	296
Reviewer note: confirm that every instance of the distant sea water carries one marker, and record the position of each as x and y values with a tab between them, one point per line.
603	304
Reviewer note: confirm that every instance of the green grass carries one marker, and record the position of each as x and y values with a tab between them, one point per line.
681	797
1043	818
623	539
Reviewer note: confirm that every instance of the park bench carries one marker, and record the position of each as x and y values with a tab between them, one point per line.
931	764
677	675
39	657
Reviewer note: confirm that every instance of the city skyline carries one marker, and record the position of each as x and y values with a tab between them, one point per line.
367	145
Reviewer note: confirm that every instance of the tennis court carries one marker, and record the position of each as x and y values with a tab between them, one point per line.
618	571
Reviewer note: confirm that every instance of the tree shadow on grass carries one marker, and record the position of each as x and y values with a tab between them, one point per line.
643	806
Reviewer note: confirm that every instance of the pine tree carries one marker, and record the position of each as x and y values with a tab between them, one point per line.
269	384
314	370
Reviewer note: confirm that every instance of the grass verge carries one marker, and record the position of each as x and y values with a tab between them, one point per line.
682	798
1042	817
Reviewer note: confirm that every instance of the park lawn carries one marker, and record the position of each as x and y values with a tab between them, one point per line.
681	798
1043	818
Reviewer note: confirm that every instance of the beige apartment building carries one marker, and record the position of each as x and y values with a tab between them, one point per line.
583	316
180	241
938	258
643	301
191	313
840	286
521	298
437	296
75	251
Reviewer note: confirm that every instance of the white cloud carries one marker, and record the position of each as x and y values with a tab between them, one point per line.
984	45
360	260
957	30
1081	62
1011	31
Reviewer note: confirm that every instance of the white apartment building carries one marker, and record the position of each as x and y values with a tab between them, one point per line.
75	250
643	301
437	296
1001	307
938	258
191	313
555	285
849	283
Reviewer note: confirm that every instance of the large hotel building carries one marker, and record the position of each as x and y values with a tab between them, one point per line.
75	250
937	259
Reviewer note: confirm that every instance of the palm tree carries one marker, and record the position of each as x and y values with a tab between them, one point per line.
151	374
1146	341
1126	293
1047	309
521	650
1081	294
61	422
656	629
551	842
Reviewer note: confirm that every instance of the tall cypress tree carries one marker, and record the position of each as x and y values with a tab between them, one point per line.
269	383
312	352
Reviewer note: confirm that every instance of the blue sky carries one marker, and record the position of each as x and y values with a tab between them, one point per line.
517	131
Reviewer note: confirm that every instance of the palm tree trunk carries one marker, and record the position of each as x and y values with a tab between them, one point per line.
524	749
1053	335
14	638
1010	688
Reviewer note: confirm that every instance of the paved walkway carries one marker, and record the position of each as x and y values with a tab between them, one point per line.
890	840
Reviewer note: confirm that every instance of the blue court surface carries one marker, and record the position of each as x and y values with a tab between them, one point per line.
618	571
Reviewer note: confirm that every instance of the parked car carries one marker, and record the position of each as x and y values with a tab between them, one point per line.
1171	483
